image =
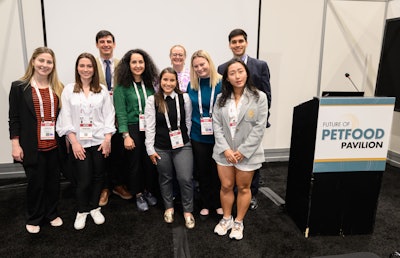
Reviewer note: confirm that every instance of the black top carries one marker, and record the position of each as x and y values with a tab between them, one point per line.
162	139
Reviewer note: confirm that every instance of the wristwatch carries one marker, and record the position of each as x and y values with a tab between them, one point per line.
124	135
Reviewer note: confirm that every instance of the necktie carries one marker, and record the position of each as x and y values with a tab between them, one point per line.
108	74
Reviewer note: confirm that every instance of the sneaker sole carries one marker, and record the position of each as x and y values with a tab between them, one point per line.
142	210
99	223
236	238
222	234
79	228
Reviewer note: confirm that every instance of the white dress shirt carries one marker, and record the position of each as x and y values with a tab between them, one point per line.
97	106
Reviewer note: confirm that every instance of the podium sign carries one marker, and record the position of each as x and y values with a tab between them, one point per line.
337	158
353	134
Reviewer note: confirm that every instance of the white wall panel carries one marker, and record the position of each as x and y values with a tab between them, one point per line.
12	62
154	26
290	43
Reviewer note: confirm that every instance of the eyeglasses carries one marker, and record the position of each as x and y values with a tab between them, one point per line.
177	54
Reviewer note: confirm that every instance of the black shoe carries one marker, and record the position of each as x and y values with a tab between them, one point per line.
253	203
204	214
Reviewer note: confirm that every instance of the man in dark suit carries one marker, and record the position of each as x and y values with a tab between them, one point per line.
260	76
115	178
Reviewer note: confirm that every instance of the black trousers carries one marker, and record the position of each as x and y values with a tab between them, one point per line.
255	183
142	173
116	172
43	190
207	175
89	175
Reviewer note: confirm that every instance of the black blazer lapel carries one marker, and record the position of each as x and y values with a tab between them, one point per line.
27	92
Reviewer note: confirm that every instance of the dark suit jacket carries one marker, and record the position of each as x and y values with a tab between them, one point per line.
260	76
23	121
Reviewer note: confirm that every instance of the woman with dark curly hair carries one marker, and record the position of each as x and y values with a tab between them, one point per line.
136	77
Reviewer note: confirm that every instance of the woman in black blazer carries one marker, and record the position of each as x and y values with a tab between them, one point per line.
34	103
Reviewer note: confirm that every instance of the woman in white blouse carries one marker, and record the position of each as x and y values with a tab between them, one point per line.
87	119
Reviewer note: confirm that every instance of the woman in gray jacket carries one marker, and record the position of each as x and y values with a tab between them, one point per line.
239	120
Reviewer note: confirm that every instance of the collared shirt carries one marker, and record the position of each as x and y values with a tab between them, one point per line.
112	68
150	114
101	111
244	58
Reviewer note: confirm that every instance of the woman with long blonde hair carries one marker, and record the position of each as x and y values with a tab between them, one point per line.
204	86
34	102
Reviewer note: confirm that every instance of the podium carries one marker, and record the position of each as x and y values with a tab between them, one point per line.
337	158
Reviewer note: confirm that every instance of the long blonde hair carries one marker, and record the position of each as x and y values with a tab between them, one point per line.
215	77
55	83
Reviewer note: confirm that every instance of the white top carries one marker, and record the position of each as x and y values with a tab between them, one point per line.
234	111
97	107
150	115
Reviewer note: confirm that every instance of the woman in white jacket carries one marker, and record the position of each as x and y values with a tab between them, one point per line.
87	119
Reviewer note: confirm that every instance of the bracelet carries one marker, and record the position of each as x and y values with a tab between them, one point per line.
124	135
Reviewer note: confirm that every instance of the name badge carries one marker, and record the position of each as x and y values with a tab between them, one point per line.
47	130
176	139
206	126
142	123
86	131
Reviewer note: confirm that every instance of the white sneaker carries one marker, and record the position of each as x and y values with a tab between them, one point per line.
98	218
237	231
80	220
223	226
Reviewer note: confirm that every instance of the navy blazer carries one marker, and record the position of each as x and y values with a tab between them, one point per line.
260	76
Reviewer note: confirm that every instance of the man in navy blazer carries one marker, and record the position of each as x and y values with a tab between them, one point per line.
260	76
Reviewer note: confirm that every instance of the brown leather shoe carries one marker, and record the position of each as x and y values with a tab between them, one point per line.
105	193
122	192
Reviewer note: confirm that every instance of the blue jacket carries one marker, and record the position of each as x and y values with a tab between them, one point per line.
195	133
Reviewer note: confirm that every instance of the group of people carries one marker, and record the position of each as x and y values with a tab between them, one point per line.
122	125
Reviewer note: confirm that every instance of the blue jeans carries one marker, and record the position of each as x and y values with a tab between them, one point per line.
182	160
